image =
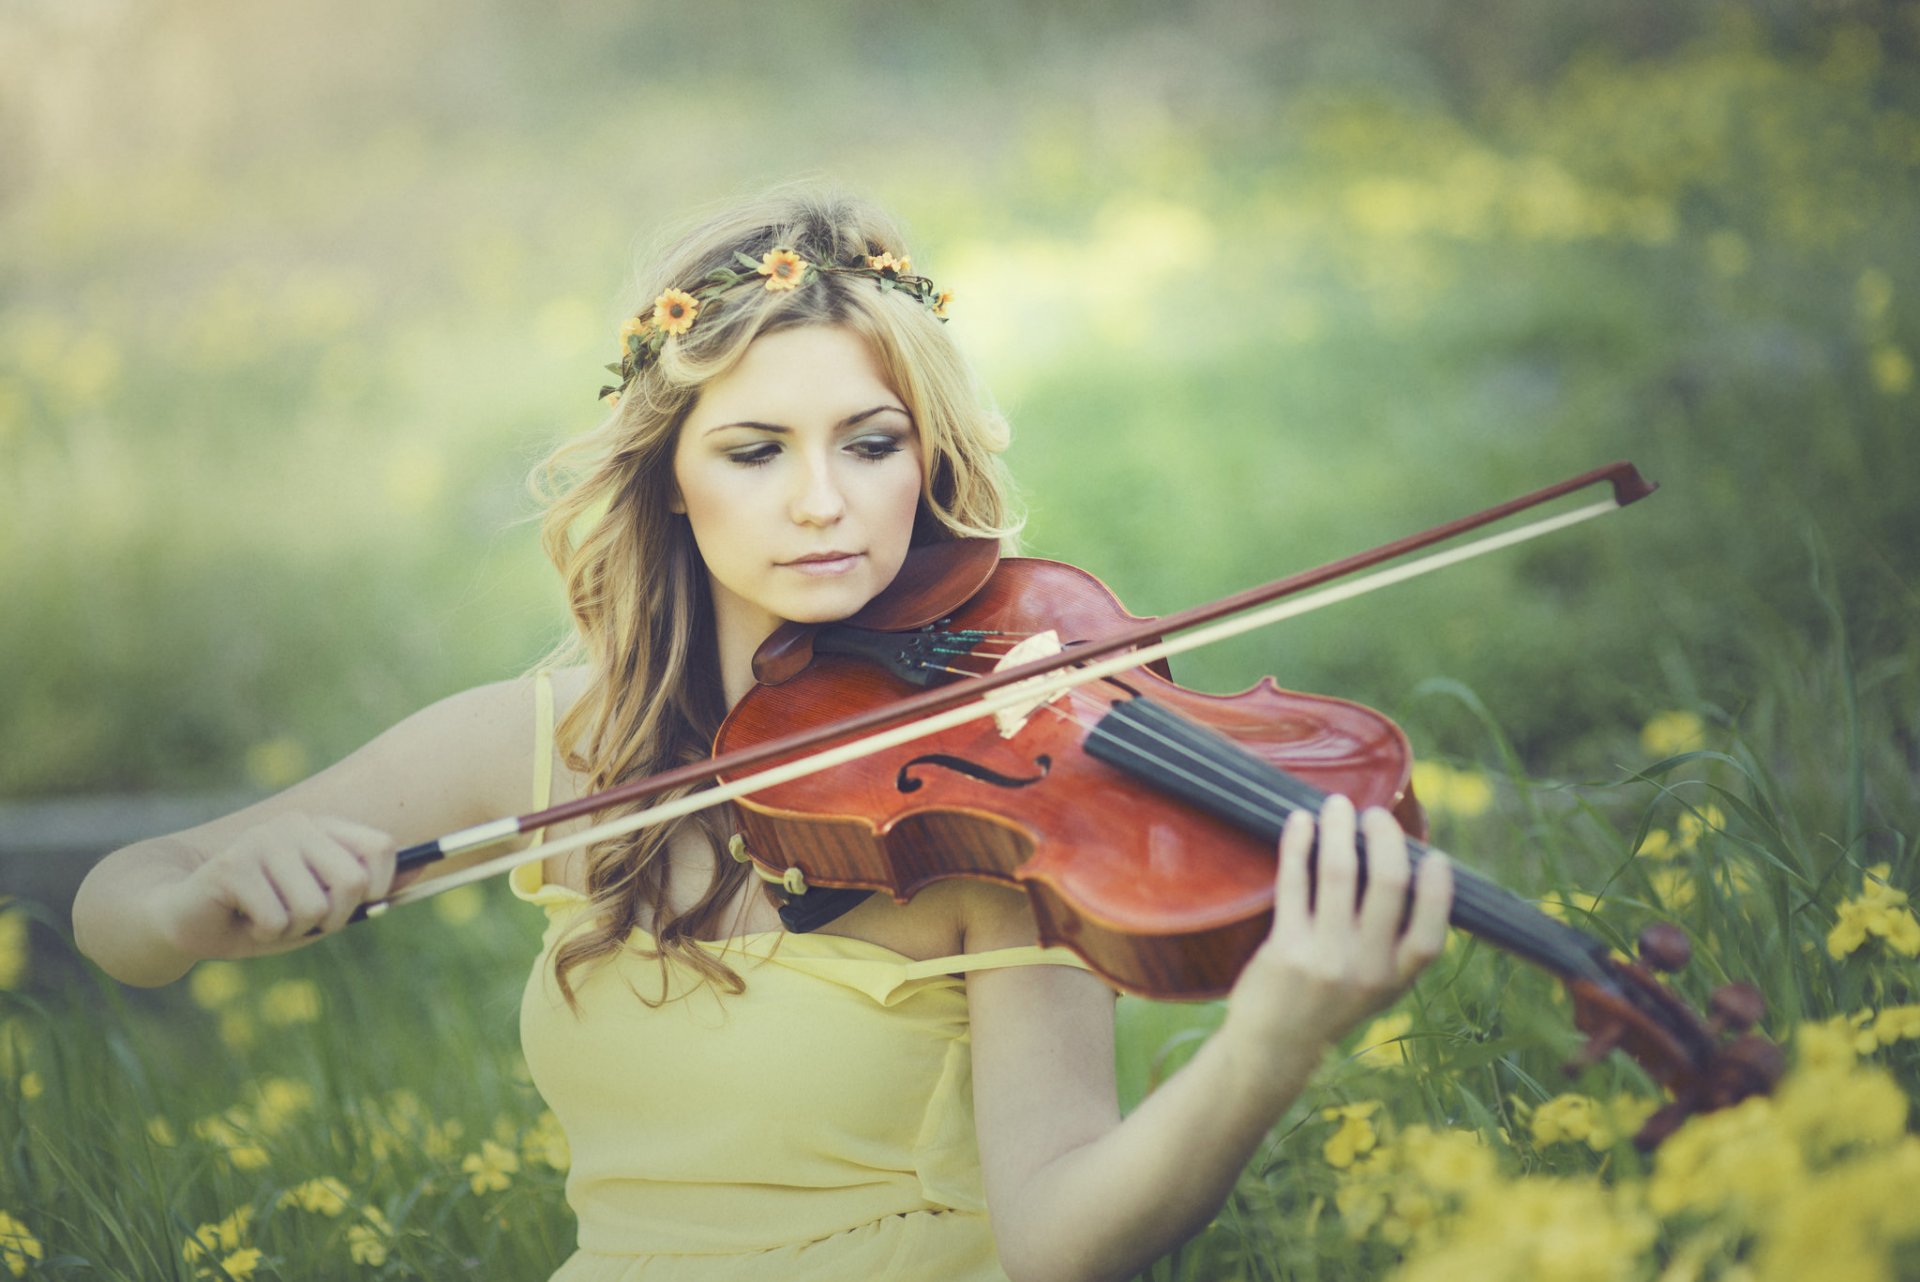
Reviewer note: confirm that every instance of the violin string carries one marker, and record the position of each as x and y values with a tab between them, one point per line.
1482	899
1488	906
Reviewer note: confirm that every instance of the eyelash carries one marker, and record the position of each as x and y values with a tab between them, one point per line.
760	455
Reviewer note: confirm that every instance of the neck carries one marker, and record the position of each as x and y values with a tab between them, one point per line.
738	630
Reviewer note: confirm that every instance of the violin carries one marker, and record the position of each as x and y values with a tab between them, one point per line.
1140	818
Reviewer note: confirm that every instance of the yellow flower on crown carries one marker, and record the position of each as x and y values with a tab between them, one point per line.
783	269
674	311
780	269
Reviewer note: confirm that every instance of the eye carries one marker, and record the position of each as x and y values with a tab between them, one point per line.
875	448
754	456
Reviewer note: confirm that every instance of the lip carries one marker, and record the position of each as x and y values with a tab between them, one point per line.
824	563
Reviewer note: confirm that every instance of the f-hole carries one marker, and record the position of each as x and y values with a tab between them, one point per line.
907	782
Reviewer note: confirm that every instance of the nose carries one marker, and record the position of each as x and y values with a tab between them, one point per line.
818	499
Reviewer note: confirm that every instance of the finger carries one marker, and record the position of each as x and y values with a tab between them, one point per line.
299	889
346	878
253	896
1384	902
1336	871
1427	925
374	848
1290	916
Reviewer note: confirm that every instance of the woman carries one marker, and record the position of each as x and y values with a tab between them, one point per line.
913	1091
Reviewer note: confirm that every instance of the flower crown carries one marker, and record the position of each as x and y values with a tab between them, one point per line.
675	311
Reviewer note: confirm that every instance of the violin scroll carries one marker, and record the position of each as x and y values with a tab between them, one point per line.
1693	1058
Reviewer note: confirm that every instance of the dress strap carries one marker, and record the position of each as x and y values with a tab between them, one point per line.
996	959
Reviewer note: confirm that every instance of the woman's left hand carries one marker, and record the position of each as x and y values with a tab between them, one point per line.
1336	956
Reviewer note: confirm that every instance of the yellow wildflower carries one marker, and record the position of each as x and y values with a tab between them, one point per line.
31	1086
459	906
367	1243
546	1142
1738	878
278	1100
1566	1118
783	269
214	1239
1673	887
1848	1220
1448	1161
941	301
1897	1023
634	327
1355	1134
492	1168
229	1133
1465	793
1826	1046
1691	826
1668	734
18	1246
239	1266
1738	1160
323	1196
440	1139
236	1030
1381	1044
1576	904
1879	909
274	763
673	311
291	1001
1828	1112
1361	1206
160	1131
1568	1230
1657	844
1892	370
215	983
888	265
13	947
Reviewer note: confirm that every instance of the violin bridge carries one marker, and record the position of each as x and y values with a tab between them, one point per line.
1038	646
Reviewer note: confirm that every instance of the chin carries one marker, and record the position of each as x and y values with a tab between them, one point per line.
829	607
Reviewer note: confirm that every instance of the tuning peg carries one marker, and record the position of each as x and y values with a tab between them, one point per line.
1664	947
1736	1008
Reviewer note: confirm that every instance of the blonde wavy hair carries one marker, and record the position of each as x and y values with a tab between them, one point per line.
635	583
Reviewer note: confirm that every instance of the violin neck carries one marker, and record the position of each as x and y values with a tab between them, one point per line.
1209	770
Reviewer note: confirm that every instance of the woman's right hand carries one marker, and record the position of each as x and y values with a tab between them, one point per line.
283	879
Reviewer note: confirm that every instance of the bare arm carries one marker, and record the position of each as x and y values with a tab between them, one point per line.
1076	1193
259	880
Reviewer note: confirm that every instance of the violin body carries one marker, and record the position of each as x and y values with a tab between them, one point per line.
1161	904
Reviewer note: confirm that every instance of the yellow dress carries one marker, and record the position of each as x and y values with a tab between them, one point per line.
818	1125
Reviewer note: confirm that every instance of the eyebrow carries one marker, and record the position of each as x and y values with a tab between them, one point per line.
849	421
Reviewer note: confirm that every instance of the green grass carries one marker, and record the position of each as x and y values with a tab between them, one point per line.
1757	891
263	425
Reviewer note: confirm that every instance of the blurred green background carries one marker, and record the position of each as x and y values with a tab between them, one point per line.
291	297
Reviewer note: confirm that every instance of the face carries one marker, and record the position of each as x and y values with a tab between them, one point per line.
799	472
